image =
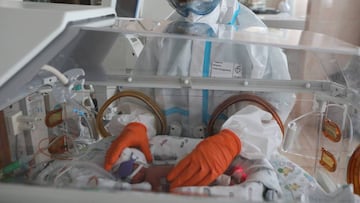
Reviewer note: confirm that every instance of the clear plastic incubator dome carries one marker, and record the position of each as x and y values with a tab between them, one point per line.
313	88
192	77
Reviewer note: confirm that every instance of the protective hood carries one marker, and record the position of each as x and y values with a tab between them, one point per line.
223	13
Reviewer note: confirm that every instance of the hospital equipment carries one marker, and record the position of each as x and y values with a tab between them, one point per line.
320	151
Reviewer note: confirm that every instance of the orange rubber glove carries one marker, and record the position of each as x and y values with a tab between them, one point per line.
207	161
133	135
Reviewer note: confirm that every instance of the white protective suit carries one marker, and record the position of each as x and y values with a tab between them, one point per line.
181	57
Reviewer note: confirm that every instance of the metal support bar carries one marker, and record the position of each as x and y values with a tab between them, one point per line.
233	84
326	90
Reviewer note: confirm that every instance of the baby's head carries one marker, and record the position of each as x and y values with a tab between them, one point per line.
130	166
133	168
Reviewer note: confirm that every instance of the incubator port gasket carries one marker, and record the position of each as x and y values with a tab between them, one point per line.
53	118
331	130
240	98
328	160
353	170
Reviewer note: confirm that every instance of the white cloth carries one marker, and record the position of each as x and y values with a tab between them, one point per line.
251	191
260	185
259	170
344	193
131	112
170	149
259	133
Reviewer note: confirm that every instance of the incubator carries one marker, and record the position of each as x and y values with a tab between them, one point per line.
65	78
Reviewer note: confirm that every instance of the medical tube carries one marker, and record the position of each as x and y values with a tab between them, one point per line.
90	115
64	80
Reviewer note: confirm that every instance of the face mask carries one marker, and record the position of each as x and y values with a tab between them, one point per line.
192	17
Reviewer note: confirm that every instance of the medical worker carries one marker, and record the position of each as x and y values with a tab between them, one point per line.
249	131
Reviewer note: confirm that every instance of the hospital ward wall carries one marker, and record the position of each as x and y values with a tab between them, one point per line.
338	19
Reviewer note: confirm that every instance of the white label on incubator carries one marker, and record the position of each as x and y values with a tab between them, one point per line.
226	70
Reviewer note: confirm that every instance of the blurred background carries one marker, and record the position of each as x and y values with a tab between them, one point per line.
332	17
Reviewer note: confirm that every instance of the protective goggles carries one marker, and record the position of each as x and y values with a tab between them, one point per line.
199	7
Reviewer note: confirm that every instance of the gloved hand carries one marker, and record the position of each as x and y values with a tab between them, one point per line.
133	135
207	161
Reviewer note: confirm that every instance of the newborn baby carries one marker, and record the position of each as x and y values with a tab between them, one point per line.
132	167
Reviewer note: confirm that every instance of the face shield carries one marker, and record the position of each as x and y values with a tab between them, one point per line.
198	7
